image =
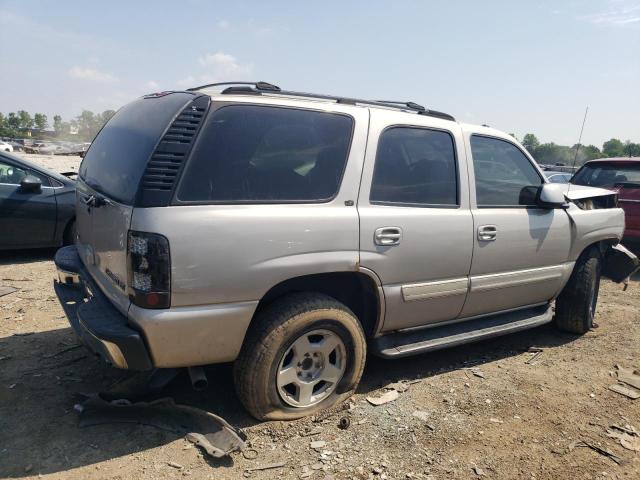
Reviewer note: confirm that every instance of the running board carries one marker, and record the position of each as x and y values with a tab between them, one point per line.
402	344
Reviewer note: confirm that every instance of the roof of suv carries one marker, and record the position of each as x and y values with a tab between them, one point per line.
267	89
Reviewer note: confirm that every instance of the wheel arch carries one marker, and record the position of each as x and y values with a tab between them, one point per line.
361	291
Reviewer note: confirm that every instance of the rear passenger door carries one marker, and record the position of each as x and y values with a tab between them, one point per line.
520	250
415	223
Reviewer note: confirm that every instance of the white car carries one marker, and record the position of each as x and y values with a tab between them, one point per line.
5	147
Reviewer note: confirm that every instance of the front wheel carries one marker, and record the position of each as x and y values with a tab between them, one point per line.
576	305
304	353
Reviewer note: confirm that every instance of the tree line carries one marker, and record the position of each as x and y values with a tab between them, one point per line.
85	126
550	153
22	124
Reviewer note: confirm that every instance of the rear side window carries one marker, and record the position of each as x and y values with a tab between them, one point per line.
504	175
248	153
117	158
415	166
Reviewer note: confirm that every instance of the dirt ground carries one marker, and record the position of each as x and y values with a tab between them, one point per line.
486	410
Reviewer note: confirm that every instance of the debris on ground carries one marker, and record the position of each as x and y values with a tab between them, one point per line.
318	444
175	465
534	357
269	466
627	435
206	430
628	376
478	471
7	290
388	396
628	392
421	415
477	372
596	448
344	423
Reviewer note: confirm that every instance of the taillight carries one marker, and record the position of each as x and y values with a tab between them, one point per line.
149	270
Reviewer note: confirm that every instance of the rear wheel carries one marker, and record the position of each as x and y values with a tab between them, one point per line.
576	305
305	353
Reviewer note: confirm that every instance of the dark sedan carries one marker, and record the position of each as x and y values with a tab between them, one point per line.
37	206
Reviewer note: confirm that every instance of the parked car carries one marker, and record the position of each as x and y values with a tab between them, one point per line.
6	147
291	233
37	206
558	177
622	175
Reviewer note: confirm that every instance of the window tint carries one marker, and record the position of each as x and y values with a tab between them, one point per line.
10	174
415	166
117	158
603	175
504	175
254	153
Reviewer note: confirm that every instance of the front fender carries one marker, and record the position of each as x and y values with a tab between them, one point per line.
593	226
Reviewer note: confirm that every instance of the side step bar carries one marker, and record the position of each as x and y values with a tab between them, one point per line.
402	344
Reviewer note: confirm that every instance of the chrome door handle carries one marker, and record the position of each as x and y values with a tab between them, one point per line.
487	233
387	236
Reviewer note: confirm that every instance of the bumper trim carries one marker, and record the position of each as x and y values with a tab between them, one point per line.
98	324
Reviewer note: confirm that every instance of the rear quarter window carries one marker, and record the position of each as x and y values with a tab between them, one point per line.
116	160
261	154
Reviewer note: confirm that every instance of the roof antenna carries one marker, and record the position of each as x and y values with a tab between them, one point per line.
575	158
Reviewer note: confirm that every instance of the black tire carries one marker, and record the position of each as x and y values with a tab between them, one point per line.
273	332
576	305
69	236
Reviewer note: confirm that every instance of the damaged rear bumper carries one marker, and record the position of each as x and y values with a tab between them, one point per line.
619	263
98	324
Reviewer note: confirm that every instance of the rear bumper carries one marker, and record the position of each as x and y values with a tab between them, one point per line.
98	324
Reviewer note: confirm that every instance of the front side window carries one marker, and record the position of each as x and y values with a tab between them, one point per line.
248	153
504	175
415	166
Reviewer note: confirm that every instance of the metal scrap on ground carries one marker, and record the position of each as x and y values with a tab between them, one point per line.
631	393
388	396
206	430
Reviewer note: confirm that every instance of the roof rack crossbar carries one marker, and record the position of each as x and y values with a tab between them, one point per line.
409	105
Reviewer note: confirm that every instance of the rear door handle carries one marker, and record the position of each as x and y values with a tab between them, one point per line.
387	236
487	233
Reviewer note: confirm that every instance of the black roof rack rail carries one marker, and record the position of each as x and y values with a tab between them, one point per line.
258	86
244	88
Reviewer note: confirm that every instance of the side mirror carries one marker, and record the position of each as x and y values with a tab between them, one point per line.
551	195
31	184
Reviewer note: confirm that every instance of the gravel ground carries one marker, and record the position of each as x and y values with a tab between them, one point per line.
487	410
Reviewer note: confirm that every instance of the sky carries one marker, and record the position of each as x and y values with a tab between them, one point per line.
514	65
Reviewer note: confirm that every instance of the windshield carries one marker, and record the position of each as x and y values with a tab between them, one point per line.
607	175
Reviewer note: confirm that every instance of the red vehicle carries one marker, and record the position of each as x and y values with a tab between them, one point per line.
620	174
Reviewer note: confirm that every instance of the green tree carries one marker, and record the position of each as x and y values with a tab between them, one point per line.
631	149
57	124
106	116
530	142
25	119
613	148
13	121
40	120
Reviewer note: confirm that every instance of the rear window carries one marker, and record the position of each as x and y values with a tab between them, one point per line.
248	153
117	158
603	175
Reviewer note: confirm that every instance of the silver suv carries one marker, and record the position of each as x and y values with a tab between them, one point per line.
291	233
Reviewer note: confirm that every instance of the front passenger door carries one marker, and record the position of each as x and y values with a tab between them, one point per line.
520	250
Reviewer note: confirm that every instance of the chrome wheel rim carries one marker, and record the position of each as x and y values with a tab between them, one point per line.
311	368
